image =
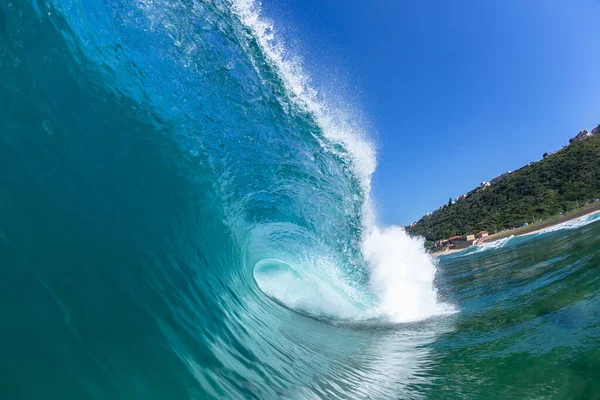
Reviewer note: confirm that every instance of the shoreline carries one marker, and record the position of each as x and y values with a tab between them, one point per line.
445	253
561	222
530	229
540	226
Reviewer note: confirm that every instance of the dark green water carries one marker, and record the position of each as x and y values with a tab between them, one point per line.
529	325
181	218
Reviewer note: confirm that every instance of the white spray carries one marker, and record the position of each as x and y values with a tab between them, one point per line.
401	272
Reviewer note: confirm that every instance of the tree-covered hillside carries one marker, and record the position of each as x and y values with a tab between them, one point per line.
558	183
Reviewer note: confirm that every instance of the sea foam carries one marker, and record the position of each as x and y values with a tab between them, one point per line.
401	272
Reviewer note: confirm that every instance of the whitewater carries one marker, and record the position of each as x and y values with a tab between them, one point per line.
185	215
401	279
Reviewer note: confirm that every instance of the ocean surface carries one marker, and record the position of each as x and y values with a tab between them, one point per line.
184	216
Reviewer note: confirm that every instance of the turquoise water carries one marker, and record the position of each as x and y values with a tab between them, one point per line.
182	216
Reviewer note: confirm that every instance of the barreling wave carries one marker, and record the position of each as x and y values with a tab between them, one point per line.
406	270
183	216
177	165
292	175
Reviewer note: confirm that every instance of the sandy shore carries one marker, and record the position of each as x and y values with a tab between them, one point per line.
541	226
558	223
523	232
443	253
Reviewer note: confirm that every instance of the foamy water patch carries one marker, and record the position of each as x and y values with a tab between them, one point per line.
402	275
573	224
497	244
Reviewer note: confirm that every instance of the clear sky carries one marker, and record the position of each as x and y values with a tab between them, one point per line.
456	92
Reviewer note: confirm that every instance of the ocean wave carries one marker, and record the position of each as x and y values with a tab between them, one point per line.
191	204
497	244
411	264
572	224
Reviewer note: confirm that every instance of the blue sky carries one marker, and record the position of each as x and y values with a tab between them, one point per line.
455	92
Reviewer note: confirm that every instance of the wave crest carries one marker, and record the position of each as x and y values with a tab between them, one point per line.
401	273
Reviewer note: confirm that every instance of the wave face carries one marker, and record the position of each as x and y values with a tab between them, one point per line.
184	216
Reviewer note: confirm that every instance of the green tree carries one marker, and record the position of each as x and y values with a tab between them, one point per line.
545	155
449	201
556	184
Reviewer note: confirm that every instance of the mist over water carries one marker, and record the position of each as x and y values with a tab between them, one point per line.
184	216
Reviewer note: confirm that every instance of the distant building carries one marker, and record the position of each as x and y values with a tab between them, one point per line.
461	242
454	243
481	237
462	197
580	136
484	184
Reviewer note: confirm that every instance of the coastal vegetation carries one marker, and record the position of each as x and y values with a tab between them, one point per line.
560	182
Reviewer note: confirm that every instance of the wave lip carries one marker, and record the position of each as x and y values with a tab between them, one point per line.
401	273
